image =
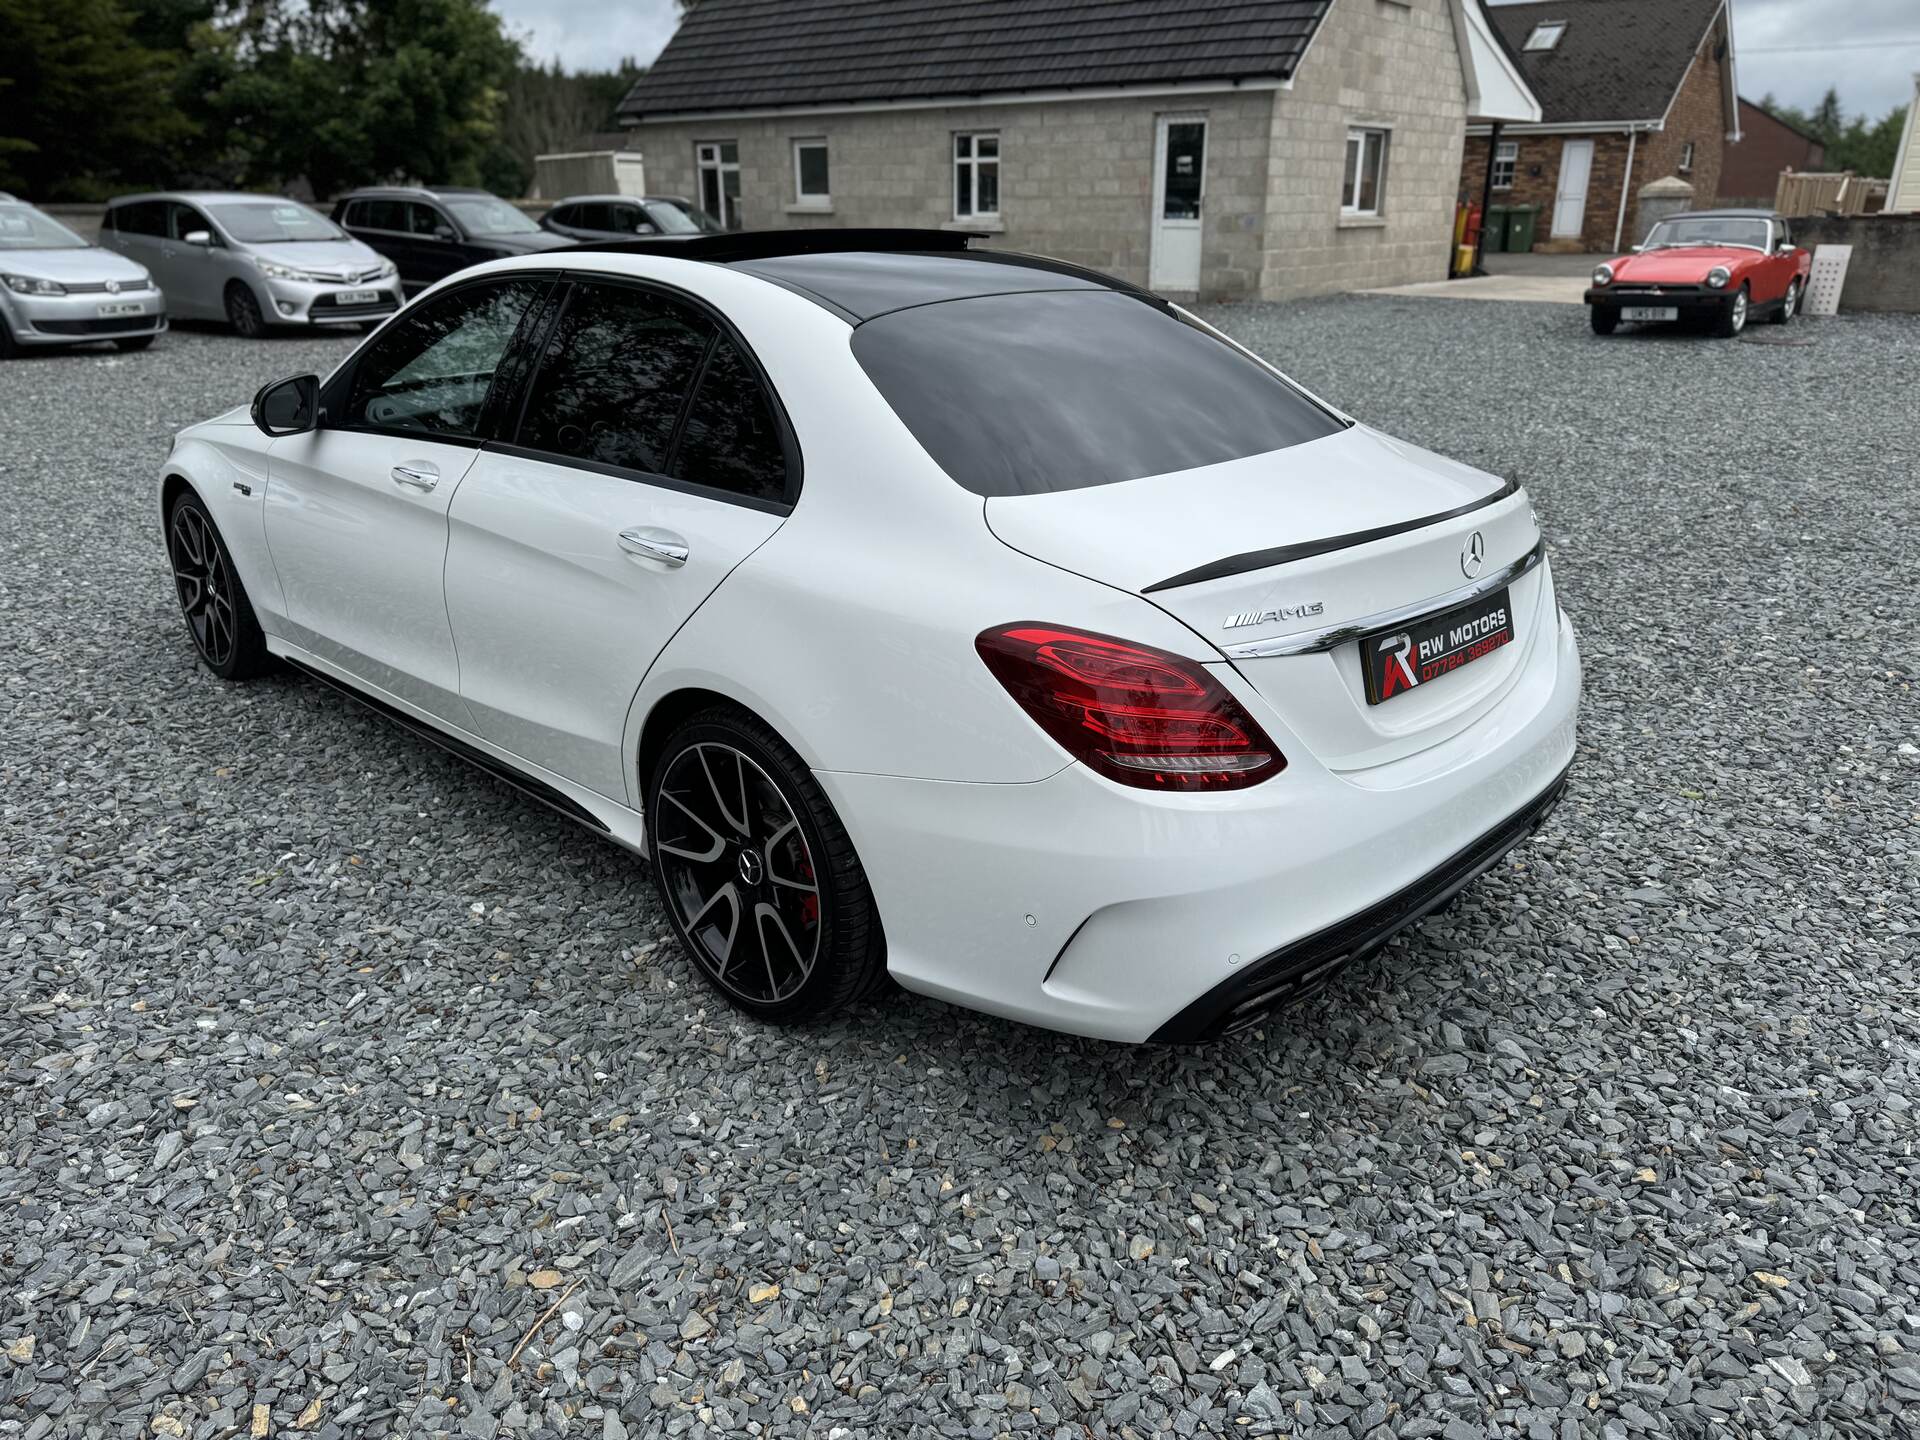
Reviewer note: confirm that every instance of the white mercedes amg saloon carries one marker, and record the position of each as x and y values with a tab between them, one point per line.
960	616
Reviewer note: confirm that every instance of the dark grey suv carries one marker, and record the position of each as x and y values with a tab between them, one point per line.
626	217
430	233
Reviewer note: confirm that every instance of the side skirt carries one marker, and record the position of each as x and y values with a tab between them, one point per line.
616	823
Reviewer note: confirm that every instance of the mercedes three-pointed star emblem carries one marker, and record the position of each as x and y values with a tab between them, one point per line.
1473	555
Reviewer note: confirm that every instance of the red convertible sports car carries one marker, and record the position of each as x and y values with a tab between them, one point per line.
1723	267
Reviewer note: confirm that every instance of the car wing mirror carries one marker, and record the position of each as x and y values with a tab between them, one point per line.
202	238
1784	247
443	232
1639	249
288	407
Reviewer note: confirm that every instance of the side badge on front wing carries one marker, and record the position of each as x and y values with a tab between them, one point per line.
1279	612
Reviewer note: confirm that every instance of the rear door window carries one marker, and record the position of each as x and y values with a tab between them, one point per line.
143	217
1023	394
732	439
382	215
614	378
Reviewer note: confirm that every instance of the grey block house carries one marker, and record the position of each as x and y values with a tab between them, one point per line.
1222	148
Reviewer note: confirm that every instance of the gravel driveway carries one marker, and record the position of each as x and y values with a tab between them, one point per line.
348	1094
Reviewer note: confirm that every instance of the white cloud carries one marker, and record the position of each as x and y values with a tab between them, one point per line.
590	36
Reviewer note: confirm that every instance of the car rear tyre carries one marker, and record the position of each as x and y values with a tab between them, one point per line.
243	312
1789	304
757	872
213	602
133	342
1733	319
1605	318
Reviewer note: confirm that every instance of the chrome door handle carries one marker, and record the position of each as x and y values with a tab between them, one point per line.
650	544
416	475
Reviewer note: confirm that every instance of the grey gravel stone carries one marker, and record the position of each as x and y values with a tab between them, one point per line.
331	1065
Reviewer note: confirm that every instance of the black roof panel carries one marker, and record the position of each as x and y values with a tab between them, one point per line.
863	284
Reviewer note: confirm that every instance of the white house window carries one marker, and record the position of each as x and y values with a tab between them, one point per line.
1366	181
810	185
1506	158
719	166
1686	157
1546	35
976	176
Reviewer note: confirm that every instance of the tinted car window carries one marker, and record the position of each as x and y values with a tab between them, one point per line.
591	217
731	440
425	220
431	370
1021	394
614	377
143	217
380	215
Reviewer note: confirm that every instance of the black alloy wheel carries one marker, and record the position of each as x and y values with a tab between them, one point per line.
215	605
243	312
760	879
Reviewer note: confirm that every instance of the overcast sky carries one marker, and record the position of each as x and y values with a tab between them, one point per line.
1869	49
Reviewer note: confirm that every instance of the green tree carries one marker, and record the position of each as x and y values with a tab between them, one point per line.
549	109
1865	147
349	92
86	106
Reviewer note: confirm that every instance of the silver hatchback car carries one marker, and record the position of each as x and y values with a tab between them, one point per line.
56	289
254	261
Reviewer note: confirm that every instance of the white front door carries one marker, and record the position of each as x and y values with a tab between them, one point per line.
1180	183
1570	203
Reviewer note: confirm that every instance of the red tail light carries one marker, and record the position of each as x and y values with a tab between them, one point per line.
1137	715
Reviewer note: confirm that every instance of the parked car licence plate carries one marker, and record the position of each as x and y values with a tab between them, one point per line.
356	297
1436	645
1650	312
120	307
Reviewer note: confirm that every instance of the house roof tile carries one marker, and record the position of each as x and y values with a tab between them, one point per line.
1618	60
750	54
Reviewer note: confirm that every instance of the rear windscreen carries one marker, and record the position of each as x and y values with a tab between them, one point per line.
1022	394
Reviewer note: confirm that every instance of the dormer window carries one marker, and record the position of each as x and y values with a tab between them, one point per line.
1546	35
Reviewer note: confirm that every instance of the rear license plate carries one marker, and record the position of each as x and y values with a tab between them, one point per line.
1405	659
1650	312
120	307
356	297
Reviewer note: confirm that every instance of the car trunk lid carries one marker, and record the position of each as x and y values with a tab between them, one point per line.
1259	555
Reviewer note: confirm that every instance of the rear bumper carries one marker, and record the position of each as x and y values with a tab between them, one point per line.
1084	906
1295	971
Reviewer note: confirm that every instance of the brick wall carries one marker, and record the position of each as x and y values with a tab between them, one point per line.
1698	114
1373	62
1076	177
